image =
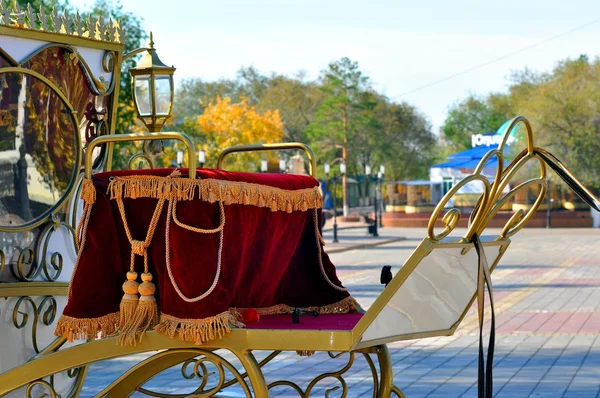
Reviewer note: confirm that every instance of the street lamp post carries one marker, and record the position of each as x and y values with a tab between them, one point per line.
372	229
378	199
334	180
179	158
367	176
549	209
381	175
282	165
201	158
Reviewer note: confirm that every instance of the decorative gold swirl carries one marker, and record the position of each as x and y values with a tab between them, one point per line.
200	370
338	376
44	384
492	199
56	258
2	261
28	268
25	261
48	315
109	61
140	157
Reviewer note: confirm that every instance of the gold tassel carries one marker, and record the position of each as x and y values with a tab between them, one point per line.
246	198
128	306
304	205
273	204
212	197
146	313
88	191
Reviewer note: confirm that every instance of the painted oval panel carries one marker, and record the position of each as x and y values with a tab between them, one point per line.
39	149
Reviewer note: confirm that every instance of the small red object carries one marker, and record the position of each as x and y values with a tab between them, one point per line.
250	315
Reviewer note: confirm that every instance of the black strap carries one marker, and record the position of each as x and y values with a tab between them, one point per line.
569	178
485	379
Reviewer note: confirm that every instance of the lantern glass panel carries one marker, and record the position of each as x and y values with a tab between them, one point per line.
162	88
143	95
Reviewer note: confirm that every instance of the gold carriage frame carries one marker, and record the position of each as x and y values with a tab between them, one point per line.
242	342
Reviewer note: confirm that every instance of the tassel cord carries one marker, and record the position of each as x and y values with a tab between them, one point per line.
80	239
171	213
194	229
319	255
140	247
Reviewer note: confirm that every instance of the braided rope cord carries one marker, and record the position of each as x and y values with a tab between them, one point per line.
171	210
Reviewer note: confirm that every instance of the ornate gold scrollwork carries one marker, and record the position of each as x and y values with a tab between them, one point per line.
56	259
493	197
338	376
48	315
2	261
28	268
77	373
47	386
200	370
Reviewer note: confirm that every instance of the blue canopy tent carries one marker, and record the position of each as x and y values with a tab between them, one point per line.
460	165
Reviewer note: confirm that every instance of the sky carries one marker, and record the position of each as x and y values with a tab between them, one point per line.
410	50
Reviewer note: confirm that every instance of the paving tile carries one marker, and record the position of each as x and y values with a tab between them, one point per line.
548	317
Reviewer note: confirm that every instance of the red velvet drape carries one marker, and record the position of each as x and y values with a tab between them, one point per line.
269	258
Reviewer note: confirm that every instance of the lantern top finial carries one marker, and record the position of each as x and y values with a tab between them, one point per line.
151	41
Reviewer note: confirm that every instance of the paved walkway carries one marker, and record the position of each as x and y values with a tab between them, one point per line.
547	320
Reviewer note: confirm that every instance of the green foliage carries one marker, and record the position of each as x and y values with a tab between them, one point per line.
346	116
47	5
134	37
406	144
563	106
297	101
341	109
474	115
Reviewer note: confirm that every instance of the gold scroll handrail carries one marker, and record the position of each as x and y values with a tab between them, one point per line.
493	197
171	135
312	166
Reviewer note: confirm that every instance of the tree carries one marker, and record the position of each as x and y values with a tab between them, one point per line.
297	101
406	144
225	124
564	108
134	35
345	112
474	115
194	95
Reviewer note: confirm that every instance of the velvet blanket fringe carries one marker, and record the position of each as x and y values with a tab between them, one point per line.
211	190
87	328
197	331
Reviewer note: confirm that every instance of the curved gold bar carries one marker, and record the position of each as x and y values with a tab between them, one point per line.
271	147
142	137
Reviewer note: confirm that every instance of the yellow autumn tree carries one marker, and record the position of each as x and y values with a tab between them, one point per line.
224	124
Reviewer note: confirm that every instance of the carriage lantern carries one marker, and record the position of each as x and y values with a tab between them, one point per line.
152	86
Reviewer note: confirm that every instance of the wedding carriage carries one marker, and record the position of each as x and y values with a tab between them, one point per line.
186	264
